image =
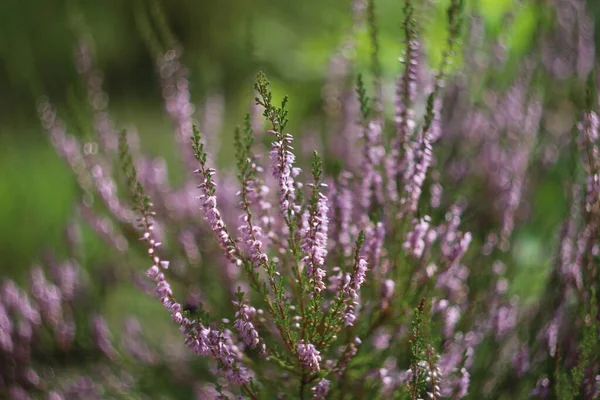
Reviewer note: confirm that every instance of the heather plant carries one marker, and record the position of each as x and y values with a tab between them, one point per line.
42	345
380	268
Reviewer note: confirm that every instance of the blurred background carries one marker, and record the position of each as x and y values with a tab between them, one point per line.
225	43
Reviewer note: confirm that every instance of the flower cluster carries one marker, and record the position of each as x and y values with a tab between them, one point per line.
41	321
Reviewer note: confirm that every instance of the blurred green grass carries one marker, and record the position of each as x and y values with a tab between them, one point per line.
37	194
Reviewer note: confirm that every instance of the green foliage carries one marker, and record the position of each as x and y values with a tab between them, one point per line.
363	99
243	151
375	53
418	347
276	115
569	381
141	202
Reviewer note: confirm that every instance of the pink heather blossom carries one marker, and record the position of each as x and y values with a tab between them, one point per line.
391	168
48	296
450	362
91	167
463	387
452	316
188	242
550	333
101	335
373	154
387	291
135	345
518	169
521	361
252	237
243	324
453	280
67	278
214	343
82	387
337	280
375	242
213	216
542	388
18	393
450	231
418	158
335	80
314	241
153	174
309	356
176	93
67	146
282	164
342	200
97	98
569	49
406	91
16	299
351	290
459	249
201	340
104	228
321	389
349	352
436	192
589	129
416	239
506	319
360	274
257	197
381	339
6	328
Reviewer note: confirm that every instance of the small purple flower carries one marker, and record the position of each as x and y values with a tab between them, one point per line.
463	385
520	361
314	241
351	290
213	216
282	164
252	237
321	389
373	154
542	388
505	320
416	239
342	201
176	94
309	356
387	291
101	335
243	324
452	316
